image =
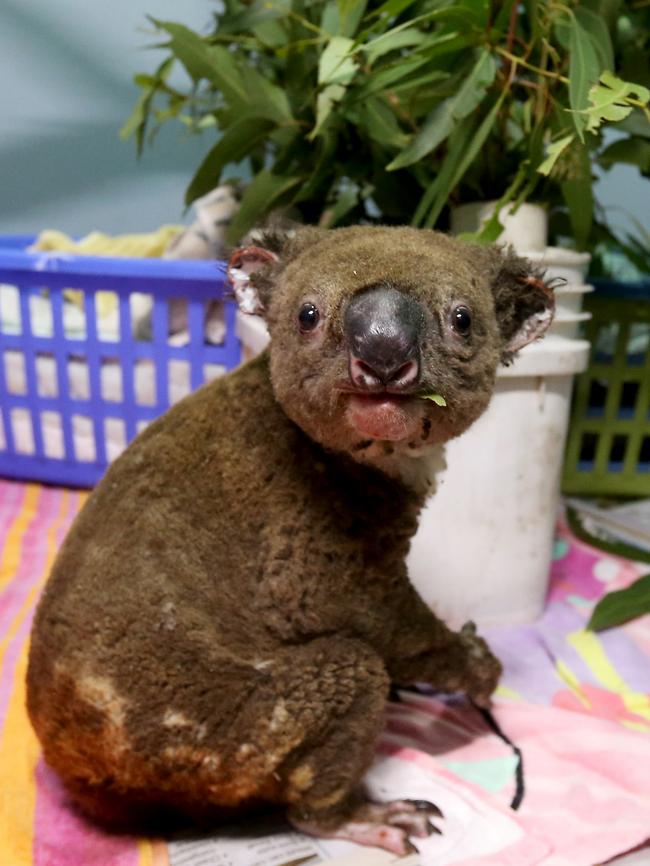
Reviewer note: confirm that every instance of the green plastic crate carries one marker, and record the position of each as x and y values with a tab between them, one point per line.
608	448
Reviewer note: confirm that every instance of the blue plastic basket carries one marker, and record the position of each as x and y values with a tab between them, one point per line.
26	452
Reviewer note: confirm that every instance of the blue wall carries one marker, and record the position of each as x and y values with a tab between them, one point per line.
66	69
66	88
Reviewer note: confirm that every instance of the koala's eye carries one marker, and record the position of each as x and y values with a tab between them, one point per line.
308	317
461	319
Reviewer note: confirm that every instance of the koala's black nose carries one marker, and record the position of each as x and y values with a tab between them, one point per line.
383	327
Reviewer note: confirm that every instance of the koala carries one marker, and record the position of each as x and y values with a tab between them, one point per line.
227	614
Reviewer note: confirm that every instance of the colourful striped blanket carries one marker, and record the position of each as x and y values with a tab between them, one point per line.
577	705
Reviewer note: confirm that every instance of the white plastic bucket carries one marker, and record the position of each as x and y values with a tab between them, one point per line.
484	544
568	298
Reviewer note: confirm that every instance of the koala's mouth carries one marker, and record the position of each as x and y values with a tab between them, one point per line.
384	415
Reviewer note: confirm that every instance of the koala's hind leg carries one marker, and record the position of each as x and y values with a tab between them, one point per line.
340	707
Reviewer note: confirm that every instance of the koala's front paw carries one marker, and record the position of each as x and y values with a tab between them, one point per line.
482	668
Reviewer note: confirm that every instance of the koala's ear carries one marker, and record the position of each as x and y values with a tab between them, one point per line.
524	301
253	267
243	265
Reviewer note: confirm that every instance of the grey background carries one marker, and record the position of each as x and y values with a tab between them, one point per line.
66	69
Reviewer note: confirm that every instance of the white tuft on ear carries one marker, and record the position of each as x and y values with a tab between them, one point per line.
242	265
533	328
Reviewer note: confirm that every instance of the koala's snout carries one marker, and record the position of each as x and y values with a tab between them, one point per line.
383	326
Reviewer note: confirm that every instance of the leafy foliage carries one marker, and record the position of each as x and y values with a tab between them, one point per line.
622	605
359	110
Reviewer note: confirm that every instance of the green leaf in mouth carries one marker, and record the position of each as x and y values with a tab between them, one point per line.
438	399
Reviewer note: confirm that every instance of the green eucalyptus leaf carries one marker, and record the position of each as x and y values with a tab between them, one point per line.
596	27
266	99
436	10
621	606
392	8
237	141
445	43
609	100
390	75
430	82
137	122
271	33
406	38
445	117
212	62
329	21
562	33
376	118
325	102
479	10
584	70
350	14
337	65
578	194
465	18
242	85
264	192
438	399
553	151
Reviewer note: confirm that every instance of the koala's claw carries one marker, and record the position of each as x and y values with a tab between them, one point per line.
382	825
426	806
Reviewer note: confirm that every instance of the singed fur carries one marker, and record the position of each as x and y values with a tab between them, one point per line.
224	619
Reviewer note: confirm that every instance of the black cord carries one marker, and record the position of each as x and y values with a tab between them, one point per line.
492	723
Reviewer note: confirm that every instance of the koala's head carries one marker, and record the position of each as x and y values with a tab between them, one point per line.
367	321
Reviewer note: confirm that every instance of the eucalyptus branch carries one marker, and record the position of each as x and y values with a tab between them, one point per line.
306	23
512	28
532	85
516	77
545	72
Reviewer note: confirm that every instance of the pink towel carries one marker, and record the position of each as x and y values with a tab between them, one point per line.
577	706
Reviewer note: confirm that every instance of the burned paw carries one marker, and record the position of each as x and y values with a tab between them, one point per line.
382	825
483	669
413	816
